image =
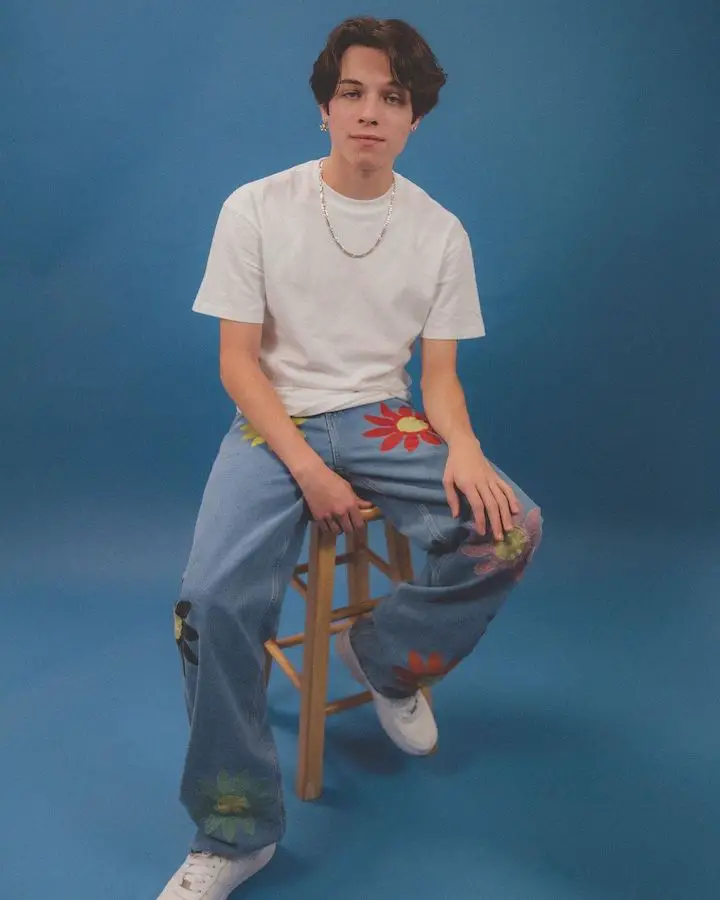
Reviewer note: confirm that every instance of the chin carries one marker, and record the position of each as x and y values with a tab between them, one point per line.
368	162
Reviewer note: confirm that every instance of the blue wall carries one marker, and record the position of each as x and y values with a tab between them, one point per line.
577	141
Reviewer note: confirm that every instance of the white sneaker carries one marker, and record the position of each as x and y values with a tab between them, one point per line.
409	722
205	876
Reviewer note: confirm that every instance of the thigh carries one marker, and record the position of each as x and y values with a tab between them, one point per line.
251	511
394	458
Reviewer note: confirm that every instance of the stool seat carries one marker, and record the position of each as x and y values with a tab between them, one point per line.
322	621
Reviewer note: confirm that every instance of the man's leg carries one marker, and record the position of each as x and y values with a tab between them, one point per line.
247	540
425	628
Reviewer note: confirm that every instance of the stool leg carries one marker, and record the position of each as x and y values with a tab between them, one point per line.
313	694
399	555
358	568
268	667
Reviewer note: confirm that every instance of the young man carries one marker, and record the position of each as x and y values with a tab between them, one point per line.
323	277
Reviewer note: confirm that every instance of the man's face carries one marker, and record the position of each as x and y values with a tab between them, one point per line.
368	102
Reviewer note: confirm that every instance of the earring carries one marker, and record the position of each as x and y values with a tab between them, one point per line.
323	125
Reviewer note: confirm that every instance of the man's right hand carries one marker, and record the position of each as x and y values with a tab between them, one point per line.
333	503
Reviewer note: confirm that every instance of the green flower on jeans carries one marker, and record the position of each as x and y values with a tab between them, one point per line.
250	433
185	634
229	803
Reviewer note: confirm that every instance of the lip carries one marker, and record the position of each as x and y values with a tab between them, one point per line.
369	138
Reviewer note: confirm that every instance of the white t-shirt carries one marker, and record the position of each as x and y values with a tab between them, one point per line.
338	332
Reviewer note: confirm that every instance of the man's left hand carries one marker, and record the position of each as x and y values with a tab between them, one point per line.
469	470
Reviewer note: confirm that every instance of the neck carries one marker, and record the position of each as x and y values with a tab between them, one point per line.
358	184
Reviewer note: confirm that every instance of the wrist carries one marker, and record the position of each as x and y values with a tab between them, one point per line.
306	466
463	440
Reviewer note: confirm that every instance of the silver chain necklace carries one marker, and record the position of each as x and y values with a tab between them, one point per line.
330	228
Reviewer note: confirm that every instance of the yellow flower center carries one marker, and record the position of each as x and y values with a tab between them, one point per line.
513	545
230	804
256	439
409	424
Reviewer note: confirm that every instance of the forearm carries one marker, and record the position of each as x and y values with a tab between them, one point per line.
446	409
252	391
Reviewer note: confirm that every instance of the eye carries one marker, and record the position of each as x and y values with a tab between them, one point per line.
395	98
351	94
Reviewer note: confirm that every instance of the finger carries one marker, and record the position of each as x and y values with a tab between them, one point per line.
357	519
452	499
493	513
346	523
480	517
503	508
333	525
515	505
478	508
365	504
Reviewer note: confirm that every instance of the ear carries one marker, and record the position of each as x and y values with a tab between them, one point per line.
416	123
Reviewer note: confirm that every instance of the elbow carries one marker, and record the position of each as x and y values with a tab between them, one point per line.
237	368
437	383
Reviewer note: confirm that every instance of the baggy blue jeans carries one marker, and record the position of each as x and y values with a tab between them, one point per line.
247	541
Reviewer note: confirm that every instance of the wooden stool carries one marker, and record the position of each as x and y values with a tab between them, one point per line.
321	622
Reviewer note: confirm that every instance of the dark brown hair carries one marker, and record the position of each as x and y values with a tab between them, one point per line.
412	62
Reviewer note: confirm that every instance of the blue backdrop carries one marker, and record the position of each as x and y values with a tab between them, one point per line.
576	141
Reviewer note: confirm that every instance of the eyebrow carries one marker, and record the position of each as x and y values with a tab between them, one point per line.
390	84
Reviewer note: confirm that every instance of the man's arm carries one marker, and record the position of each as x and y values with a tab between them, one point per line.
332	501
443	396
251	390
467	469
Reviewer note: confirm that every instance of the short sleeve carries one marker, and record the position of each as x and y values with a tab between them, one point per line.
233	286
455	313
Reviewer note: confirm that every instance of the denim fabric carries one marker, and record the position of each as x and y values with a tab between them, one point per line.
247	541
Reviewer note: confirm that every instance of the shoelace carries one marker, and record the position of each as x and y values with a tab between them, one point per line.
409	707
199	871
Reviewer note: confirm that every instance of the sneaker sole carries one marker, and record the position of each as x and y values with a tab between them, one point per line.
262	858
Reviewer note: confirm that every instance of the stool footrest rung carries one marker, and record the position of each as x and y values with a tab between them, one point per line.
350	702
379	563
338	618
341	559
273	648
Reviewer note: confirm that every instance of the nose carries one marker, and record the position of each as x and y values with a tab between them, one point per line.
369	113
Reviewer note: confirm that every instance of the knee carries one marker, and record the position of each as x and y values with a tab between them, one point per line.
524	539
197	602
512	554
218	611
522	542
185	631
213	587
532	526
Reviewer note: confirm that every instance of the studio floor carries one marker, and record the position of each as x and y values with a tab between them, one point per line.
579	753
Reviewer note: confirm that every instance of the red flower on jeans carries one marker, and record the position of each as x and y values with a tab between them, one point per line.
421	672
405	425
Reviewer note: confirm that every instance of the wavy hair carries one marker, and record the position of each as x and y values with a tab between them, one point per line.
412	62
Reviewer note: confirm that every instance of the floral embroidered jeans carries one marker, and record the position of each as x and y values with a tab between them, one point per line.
247	541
